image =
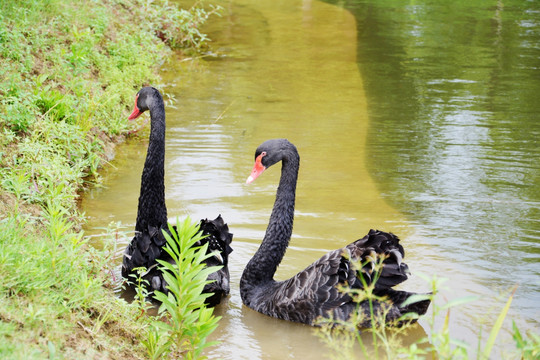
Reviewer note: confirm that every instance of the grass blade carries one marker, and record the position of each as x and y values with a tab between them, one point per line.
497	327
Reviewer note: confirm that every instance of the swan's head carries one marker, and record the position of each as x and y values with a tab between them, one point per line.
143	101
269	153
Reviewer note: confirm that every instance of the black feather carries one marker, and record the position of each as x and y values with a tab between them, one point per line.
146	246
314	292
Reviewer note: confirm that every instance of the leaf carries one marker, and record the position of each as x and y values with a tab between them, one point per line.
459	301
416	298
497	327
408	317
184	304
517	336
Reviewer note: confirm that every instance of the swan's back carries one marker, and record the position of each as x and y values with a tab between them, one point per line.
314	292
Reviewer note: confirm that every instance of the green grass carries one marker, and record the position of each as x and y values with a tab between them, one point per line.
69	72
52	291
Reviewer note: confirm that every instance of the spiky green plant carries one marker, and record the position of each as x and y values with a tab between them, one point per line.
187	321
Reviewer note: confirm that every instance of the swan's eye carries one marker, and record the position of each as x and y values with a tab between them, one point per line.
263	153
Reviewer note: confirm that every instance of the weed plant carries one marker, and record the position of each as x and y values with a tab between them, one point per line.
349	339
185	322
68	75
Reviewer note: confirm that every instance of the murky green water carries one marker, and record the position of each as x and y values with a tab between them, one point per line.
416	118
455	128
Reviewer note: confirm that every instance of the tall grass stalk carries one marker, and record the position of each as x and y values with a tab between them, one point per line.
366	330
384	343
497	327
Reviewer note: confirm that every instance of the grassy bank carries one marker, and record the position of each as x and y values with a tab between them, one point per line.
69	72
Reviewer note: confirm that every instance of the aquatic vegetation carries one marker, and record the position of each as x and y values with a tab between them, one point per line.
380	342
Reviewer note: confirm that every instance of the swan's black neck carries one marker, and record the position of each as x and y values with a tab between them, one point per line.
262	267
152	210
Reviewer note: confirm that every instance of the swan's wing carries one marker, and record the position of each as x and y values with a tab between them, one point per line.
219	239
316	291
143	250
310	293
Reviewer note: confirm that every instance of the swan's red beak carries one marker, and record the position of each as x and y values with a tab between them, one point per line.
136	112
258	169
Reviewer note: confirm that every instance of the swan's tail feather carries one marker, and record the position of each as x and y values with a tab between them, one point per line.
380	244
419	307
368	251
219	238
219	242
389	307
398	298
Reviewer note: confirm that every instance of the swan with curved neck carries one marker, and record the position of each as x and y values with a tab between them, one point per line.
313	292
147	245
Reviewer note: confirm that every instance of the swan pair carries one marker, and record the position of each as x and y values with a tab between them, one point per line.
312	293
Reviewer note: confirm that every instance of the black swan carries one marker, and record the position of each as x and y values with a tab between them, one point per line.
313	292
146	246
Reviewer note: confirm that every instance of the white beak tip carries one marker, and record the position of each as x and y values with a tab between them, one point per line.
249	179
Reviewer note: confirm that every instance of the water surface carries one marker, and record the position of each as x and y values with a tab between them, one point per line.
408	118
455	128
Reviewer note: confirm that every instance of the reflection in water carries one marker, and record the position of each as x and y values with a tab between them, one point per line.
452	151
454	130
